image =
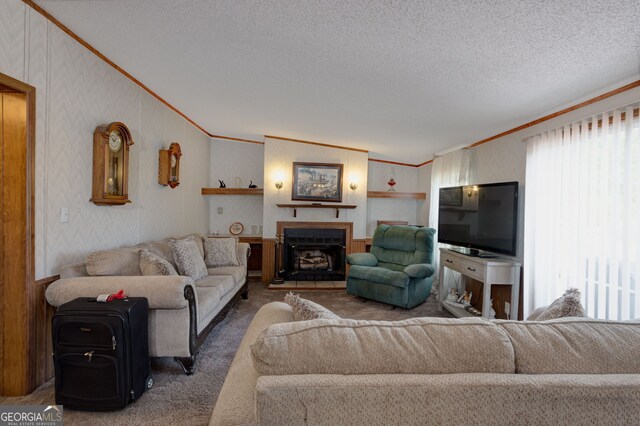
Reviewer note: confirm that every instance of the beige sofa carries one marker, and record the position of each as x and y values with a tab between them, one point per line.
431	371
181	312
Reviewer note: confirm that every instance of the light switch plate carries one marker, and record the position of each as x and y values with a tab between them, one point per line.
64	215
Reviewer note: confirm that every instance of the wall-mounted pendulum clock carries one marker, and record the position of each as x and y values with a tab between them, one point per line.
169	166
111	144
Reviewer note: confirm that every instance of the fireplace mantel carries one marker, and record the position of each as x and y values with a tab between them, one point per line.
317	206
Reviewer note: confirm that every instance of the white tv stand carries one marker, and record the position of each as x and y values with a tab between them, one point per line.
489	271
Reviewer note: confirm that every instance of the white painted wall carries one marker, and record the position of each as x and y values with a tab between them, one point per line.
279	157
75	92
231	160
406	178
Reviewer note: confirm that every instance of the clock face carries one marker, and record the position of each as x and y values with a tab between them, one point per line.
115	141
174	161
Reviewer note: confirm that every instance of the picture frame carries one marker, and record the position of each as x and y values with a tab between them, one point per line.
451	196
317	182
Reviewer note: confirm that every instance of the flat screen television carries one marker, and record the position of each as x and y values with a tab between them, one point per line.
480	217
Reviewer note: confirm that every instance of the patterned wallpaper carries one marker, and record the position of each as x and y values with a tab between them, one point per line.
75	92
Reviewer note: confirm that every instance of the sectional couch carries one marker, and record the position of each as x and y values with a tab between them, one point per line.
431	371
182	311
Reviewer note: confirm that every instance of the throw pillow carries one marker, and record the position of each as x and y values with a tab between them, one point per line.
220	251
188	258
566	306
304	309
152	264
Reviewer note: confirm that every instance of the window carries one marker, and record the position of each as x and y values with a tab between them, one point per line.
582	209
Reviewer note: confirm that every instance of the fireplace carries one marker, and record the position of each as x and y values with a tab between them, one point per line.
314	254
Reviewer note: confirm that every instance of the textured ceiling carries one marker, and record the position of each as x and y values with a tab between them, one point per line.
403	79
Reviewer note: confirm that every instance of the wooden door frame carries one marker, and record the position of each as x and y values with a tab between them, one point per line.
22	369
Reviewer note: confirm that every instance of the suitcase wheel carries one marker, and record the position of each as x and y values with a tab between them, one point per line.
149	383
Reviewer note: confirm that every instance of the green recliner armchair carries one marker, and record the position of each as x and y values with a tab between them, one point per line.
399	270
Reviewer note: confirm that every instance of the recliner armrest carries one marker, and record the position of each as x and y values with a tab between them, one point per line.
362	259
419	270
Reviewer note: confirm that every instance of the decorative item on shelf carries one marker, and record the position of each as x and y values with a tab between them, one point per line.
238	181
465	299
317	182
236	228
392	181
453	295
251	185
277	279
111	144
222	184
169	166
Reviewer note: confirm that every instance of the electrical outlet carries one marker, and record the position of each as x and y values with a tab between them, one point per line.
507	308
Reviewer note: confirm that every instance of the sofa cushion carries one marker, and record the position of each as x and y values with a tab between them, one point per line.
574	346
152	264
160	248
71	270
198	238
122	261
223	282
237	272
208	301
188	259
304	309
414	346
379	275
221	251
566	306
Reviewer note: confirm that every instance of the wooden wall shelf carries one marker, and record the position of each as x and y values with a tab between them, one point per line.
232	191
392	194
295	207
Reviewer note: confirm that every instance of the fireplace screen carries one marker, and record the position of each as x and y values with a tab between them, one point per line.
314	254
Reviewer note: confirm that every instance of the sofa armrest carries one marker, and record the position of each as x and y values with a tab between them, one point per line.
162	292
362	259
244	251
419	270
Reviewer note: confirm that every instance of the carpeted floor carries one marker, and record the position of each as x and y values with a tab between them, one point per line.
189	400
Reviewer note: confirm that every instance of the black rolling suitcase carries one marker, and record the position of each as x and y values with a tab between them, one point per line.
101	353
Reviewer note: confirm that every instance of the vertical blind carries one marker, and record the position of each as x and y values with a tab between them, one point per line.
582	210
451	169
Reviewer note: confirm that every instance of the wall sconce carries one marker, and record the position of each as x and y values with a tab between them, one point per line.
278	179
472	190
353	186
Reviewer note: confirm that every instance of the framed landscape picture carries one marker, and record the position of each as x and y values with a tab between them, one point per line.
317	182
